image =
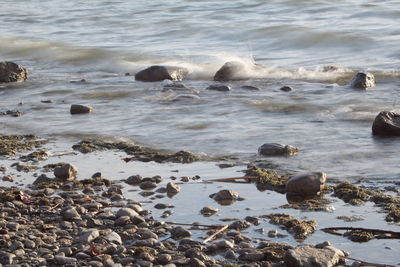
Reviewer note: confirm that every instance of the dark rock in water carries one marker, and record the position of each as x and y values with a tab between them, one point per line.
275	149
12	72
179	233
219	87
304	185
134	180
286	88
363	80
160	73
173	189
225	195
249	87
208	211
386	124
80	109
308	255
231	71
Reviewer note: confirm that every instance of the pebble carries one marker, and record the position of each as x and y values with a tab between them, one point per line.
179	233
147	185
173	188
80	109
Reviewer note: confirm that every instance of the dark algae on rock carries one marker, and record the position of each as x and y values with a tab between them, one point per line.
268	179
12	144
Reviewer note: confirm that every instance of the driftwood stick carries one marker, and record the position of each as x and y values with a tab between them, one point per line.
220	230
193	224
365	263
234	179
391	234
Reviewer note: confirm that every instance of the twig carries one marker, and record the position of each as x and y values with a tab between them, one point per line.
365	263
55	206
223	228
392	234
194	224
234	179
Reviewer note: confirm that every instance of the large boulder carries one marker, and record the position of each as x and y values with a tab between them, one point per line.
386	124
160	73
363	80
275	149
231	71
306	185
12	72
314	256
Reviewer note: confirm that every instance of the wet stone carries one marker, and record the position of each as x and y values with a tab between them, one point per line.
208	211
306	185
286	88
12	72
173	188
179	233
80	109
275	149
134	180
66	172
362	80
219	87
147	185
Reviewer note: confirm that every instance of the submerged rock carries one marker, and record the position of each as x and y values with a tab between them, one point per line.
224	195
306	185
362	80
267	179
160	73
208	211
219	87
231	71
275	149
12	72
298	228
286	88
386	123
80	109
311	256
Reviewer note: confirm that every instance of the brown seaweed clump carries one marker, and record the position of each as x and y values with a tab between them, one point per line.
140	153
356	195
268	179
298	228
359	236
351	193
314	204
274	252
36	156
10	145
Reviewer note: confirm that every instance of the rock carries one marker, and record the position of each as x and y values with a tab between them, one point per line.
89	235
208	211
179	233
362	80
231	71
147	185
80	109
113	237
225	195
70	214
173	189
12	72
134	180
61	260
224	244
386	123
286	88
275	149
306	185
253	256
309	256
127	212
194	262
66	172
42	179
219	87
250	88
164	258
160	73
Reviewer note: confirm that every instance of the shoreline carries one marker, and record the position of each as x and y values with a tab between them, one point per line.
185	206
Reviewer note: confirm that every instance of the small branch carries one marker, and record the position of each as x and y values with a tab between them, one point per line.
223	228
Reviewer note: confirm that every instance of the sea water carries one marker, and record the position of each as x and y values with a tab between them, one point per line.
63	42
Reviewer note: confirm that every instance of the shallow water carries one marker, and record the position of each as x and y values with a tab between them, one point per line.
60	42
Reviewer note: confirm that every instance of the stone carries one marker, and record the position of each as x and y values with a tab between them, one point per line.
225	195
126	212
70	214
387	124
194	262
275	149
231	71
250	88
134	180
164	258
179	233
80	109
66	172
306	185
12	72
362	80
310	256
224	244
122	221
160	73
219	87
147	185
208	211
253	256
114	237
89	235
61	260
173	189
286	88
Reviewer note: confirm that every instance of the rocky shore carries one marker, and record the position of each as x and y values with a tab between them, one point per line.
60	220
